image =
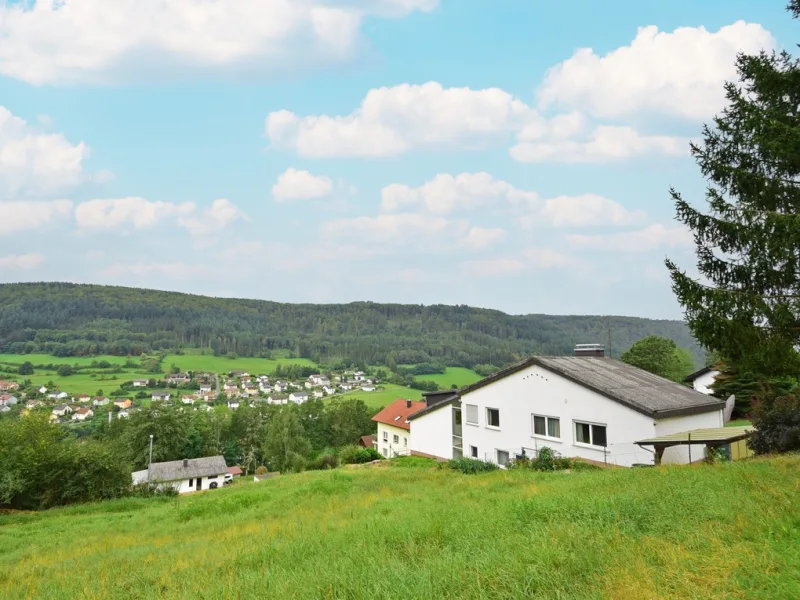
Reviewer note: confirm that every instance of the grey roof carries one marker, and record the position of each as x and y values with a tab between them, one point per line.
196	467
436	400
696	374
630	386
713	435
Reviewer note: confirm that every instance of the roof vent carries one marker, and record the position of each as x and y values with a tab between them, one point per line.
185	463
597	350
408	403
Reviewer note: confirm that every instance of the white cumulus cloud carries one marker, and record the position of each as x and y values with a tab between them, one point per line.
394	120
583	211
21	216
32	162
679	73
653	237
97	41
301	185
108	214
21	261
221	214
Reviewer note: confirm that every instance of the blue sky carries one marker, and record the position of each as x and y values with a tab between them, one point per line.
514	154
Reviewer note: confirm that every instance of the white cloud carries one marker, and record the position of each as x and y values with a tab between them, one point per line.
140	213
606	143
222	213
679	73
391	121
652	237
21	261
32	162
447	193
478	238
27	216
494	267
96	41
530	259
583	211
301	185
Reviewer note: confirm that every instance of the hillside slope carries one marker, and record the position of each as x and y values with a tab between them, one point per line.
74	320
728	531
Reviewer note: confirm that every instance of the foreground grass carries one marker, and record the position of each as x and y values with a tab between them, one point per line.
728	531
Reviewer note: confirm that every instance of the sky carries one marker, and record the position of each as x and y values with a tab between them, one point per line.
513	154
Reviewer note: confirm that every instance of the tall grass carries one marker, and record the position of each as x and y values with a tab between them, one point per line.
727	531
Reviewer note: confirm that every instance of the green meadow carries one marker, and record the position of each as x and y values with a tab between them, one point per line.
223	364
726	531
452	375
47	359
384	395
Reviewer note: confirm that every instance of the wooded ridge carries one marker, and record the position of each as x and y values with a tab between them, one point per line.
66	319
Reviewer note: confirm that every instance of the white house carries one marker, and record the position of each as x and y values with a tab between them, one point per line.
161	396
187	399
394	429
82	398
57	395
265	387
100	401
62	410
140	383
233	404
278	399
367	388
8	400
187	475
318	393
82	414
703	379
580	406
298	397
280	386
205	388
358	376
346	386
329	389
42	390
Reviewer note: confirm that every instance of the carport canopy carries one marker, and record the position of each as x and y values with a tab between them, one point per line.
713	437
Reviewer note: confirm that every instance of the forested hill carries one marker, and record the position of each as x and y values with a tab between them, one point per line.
69	320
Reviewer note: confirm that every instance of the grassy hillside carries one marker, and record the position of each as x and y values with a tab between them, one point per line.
729	531
81	320
452	375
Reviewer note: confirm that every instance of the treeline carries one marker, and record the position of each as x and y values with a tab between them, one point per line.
45	465
83	320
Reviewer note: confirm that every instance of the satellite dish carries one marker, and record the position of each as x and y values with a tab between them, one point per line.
729	404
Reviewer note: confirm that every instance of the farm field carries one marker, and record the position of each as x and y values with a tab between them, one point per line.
726	531
222	364
46	359
459	376
383	397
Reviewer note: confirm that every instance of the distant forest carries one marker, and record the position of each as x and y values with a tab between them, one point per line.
66	319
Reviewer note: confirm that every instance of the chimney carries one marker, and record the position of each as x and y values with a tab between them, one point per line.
595	350
185	463
408	403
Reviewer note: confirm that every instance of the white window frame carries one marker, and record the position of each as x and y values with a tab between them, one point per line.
497	452
473	452
488	426
590	446
405	442
385	436
395	439
546	427
466	420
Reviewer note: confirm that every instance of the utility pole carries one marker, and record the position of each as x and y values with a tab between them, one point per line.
150	461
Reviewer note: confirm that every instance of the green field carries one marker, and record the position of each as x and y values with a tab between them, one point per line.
452	375
385	395
725	531
46	359
222	364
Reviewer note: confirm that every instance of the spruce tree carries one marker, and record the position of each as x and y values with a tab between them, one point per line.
746	305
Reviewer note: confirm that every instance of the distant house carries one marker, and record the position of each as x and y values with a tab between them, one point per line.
178	378
82	414
83	398
124	414
8	400
187	399
318	393
140	382
368	441
358	376
394	429
298	397
367	387
346	386
187	475
233	404
239	374
8	386
205	387
57	395
31	404
278	399
265	387
235	471
61	410
123	403
100	401
42	390
280	386
161	396
329	389
703	379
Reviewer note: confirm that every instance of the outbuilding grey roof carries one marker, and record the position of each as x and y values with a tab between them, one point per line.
630	386
195	467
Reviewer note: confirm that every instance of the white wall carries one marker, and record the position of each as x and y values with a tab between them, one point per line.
433	433
537	391
185	488
403	445
680	454
702	384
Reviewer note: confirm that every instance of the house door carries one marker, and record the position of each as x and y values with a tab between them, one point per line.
199	484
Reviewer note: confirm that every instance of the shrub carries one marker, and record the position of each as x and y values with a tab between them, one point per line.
296	463
261	470
145	490
347	455
365	455
471	466
326	461
777	426
547	460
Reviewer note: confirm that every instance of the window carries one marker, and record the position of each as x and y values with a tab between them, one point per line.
472	414
385	436
473	451
191	481
492	417
211	477
546	426
593	435
502	457
384	452
405	442
395	439
457	416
